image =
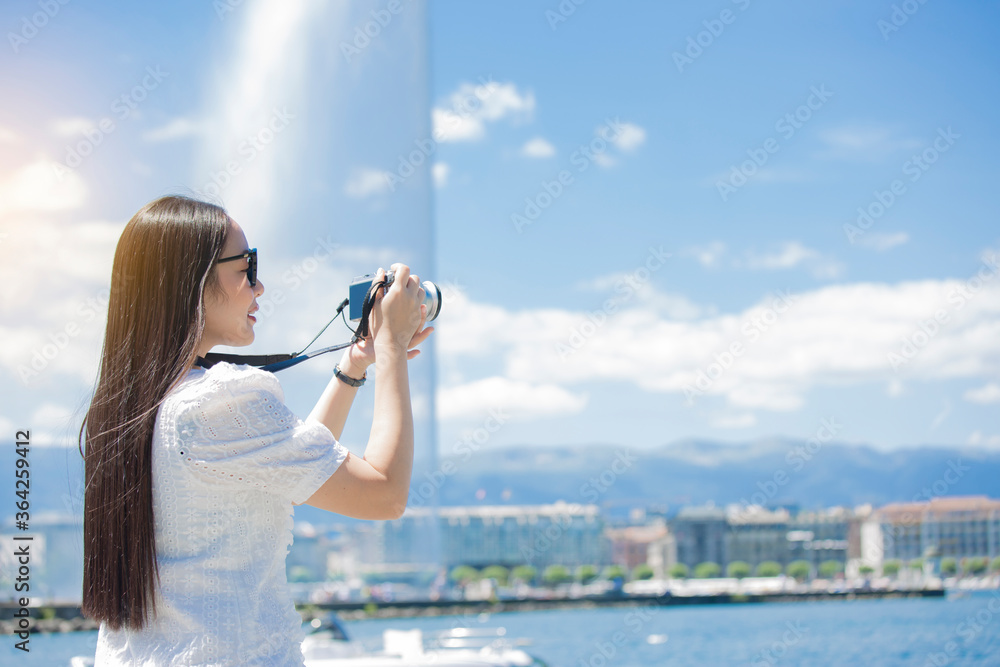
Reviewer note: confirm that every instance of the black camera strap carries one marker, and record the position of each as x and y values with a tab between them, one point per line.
277	362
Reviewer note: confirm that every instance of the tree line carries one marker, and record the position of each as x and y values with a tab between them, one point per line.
554	575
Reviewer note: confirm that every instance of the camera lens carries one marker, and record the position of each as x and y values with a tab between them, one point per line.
432	297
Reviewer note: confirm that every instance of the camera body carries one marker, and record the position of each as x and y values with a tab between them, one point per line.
360	286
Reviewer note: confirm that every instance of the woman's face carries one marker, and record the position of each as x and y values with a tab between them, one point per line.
228	319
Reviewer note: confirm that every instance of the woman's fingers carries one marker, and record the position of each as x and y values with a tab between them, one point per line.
421	336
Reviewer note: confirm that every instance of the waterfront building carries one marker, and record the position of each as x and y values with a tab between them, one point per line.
754	534
821	535
509	535
952	527
307	557
662	555
630	546
700	533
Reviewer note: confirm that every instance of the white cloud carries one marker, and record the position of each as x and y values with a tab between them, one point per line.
790	255
175	129
708	256
882	241
450	126
498	101
839	335
538	148
48	413
43	185
863	142
440	174
470	107
604	160
624	288
9	136
522	400
989	393
366	182
59	304
977	438
827	269
56	425
70	127
630	137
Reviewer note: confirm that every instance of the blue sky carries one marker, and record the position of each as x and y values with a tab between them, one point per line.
537	94
784	229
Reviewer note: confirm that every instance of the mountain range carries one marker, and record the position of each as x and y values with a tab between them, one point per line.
619	478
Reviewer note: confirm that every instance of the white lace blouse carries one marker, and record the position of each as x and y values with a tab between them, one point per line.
229	460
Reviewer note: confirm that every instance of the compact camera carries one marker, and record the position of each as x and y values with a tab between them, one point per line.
362	284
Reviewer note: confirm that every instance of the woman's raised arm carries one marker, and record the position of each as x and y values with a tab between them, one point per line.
377	486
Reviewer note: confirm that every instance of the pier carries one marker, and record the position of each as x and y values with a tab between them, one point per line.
68	618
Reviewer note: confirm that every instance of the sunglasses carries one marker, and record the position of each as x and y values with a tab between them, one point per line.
252	269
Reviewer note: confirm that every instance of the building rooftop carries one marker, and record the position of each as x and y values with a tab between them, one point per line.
941	507
639	534
558	509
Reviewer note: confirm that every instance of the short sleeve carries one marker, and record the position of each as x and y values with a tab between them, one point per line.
239	432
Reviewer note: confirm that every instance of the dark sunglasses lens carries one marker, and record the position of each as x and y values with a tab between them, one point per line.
252	272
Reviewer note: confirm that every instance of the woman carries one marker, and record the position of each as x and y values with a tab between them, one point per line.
192	472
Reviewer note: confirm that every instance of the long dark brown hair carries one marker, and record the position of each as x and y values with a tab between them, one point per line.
162	266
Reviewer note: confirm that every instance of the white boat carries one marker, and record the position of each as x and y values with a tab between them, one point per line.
327	645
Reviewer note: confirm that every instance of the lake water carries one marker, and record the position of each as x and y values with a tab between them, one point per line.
932	632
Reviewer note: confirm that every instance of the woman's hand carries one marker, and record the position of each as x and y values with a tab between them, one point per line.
361	355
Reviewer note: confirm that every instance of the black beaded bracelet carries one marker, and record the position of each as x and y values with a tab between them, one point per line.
349	380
